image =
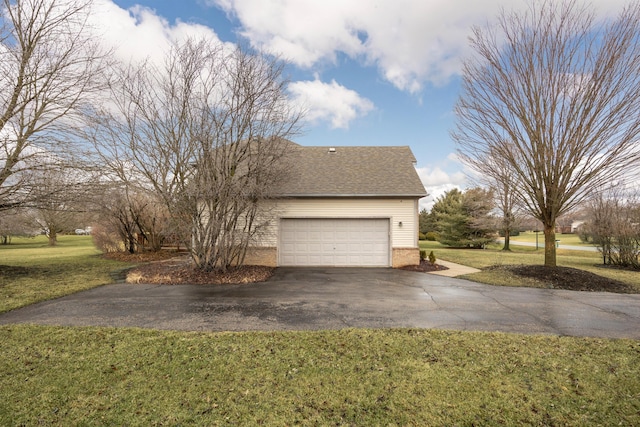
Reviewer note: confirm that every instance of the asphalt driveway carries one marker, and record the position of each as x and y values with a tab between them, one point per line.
325	298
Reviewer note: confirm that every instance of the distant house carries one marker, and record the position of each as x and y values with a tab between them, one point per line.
575	226
344	206
569	228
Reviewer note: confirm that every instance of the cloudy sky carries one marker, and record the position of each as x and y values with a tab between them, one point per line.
371	72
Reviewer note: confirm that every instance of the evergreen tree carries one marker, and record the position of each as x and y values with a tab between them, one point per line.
463	219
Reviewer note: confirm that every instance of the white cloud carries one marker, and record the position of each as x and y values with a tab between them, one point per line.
330	102
138	33
437	182
410	41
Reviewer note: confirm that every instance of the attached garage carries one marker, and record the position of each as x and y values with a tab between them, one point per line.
342	207
338	242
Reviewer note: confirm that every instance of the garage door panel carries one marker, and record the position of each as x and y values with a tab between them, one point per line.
334	242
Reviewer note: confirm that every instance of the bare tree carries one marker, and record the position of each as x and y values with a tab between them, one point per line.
15	222
501	181
136	215
62	196
121	215
613	224
553	94
152	220
48	68
207	132
504	193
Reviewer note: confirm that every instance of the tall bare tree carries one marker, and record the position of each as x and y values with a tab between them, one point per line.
207	132
553	94
48	68
62	196
500	179
613	224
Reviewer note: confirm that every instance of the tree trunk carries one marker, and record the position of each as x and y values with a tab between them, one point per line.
550	245
131	243
53	237
506	241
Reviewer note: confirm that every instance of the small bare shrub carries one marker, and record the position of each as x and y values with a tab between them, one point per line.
106	240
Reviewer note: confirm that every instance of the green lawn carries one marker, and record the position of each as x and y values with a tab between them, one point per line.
565	239
524	255
31	271
104	376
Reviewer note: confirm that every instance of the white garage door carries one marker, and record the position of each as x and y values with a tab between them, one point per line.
334	242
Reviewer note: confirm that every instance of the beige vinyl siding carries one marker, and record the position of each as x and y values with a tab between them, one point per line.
398	210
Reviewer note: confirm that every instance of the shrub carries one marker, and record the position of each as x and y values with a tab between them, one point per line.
106	240
421	236
423	255
432	258
431	236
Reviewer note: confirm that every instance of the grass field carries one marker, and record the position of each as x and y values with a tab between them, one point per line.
102	376
32	271
565	239
524	255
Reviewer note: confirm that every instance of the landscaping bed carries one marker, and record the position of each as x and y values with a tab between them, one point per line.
425	267
572	279
173	268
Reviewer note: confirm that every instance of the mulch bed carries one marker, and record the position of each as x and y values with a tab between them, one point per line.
425	267
172	268
570	279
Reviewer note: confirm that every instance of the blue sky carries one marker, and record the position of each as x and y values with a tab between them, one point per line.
372	72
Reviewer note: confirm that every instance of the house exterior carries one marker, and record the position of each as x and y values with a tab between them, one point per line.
344	206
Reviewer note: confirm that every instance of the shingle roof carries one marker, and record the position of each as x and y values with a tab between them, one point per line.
370	171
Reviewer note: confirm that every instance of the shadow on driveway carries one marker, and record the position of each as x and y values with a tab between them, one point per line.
334	298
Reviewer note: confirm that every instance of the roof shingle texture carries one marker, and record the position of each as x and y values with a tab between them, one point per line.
352	172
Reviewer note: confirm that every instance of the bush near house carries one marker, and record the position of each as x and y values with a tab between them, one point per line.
431	236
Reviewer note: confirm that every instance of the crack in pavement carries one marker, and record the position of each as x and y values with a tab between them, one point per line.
465	322
548	322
